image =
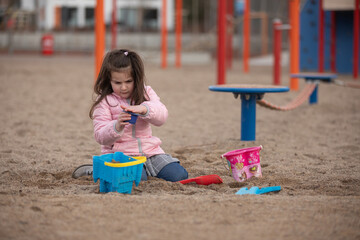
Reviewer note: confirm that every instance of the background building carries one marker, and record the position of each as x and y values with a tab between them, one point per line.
79	14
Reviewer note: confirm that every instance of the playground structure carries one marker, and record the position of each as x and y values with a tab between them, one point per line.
335	26
249	95
224	38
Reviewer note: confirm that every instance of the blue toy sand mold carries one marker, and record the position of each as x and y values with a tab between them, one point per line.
256	190
134	117
116	179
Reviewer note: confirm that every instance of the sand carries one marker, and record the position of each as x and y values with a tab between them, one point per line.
312	152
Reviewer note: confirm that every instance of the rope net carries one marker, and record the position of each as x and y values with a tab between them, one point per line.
300	99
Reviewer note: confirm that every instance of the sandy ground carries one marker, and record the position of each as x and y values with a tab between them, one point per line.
312	152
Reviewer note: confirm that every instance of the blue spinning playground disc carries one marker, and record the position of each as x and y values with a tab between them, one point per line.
248	88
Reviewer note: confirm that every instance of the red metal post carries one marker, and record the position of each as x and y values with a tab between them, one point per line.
229	33
113	26
356	39
321	38
246	40
221	41
164	35
277	51
178	29
333	43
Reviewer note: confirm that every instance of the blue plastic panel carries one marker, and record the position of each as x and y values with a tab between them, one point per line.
309	37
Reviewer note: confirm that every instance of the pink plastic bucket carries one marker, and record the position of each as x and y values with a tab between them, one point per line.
244	163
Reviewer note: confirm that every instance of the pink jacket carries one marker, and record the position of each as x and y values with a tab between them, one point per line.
133	140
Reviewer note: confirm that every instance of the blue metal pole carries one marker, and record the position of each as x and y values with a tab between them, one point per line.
248	117
313	97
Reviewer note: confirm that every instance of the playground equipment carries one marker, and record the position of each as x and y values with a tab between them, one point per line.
335	25
178	31
99	35
249	94
253	94
113	25
246	41
294	13
117	172
221	54
244	163
294	8
303	95
278	27
163	35
314	78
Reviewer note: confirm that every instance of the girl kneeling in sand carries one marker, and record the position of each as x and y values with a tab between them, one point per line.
120	88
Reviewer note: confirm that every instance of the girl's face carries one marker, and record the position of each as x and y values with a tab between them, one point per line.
122	83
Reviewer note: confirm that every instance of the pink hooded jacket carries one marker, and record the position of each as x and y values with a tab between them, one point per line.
133	140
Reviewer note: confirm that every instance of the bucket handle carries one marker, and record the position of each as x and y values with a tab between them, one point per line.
128	164
224	162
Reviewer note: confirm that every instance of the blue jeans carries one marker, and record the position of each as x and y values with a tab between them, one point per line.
172	172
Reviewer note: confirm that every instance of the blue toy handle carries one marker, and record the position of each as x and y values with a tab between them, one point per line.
269	189
257	190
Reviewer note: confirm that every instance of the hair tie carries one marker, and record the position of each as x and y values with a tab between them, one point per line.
126	53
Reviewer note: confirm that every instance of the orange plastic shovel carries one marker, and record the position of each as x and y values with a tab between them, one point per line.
204	180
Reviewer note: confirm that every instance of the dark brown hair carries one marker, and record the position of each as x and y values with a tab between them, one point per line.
120	60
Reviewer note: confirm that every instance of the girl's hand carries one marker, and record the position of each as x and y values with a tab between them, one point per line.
139	109
120	124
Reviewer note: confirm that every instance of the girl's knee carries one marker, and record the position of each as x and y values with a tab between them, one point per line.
173	172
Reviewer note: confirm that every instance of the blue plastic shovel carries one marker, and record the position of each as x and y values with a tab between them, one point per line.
256	190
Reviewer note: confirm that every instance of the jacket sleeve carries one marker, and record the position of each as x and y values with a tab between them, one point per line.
104	127
157	112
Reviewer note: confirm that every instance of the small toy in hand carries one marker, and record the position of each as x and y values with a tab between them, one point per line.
134	117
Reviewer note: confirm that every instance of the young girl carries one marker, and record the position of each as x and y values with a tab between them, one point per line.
120	89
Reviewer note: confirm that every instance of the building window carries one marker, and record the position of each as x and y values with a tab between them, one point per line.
128	19
89	17
150	22
68	17
142	19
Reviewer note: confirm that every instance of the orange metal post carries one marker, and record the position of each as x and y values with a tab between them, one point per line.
99	35
164	35
178	32
246	40
294	10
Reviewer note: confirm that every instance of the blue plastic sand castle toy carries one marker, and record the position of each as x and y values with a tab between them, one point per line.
117	172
